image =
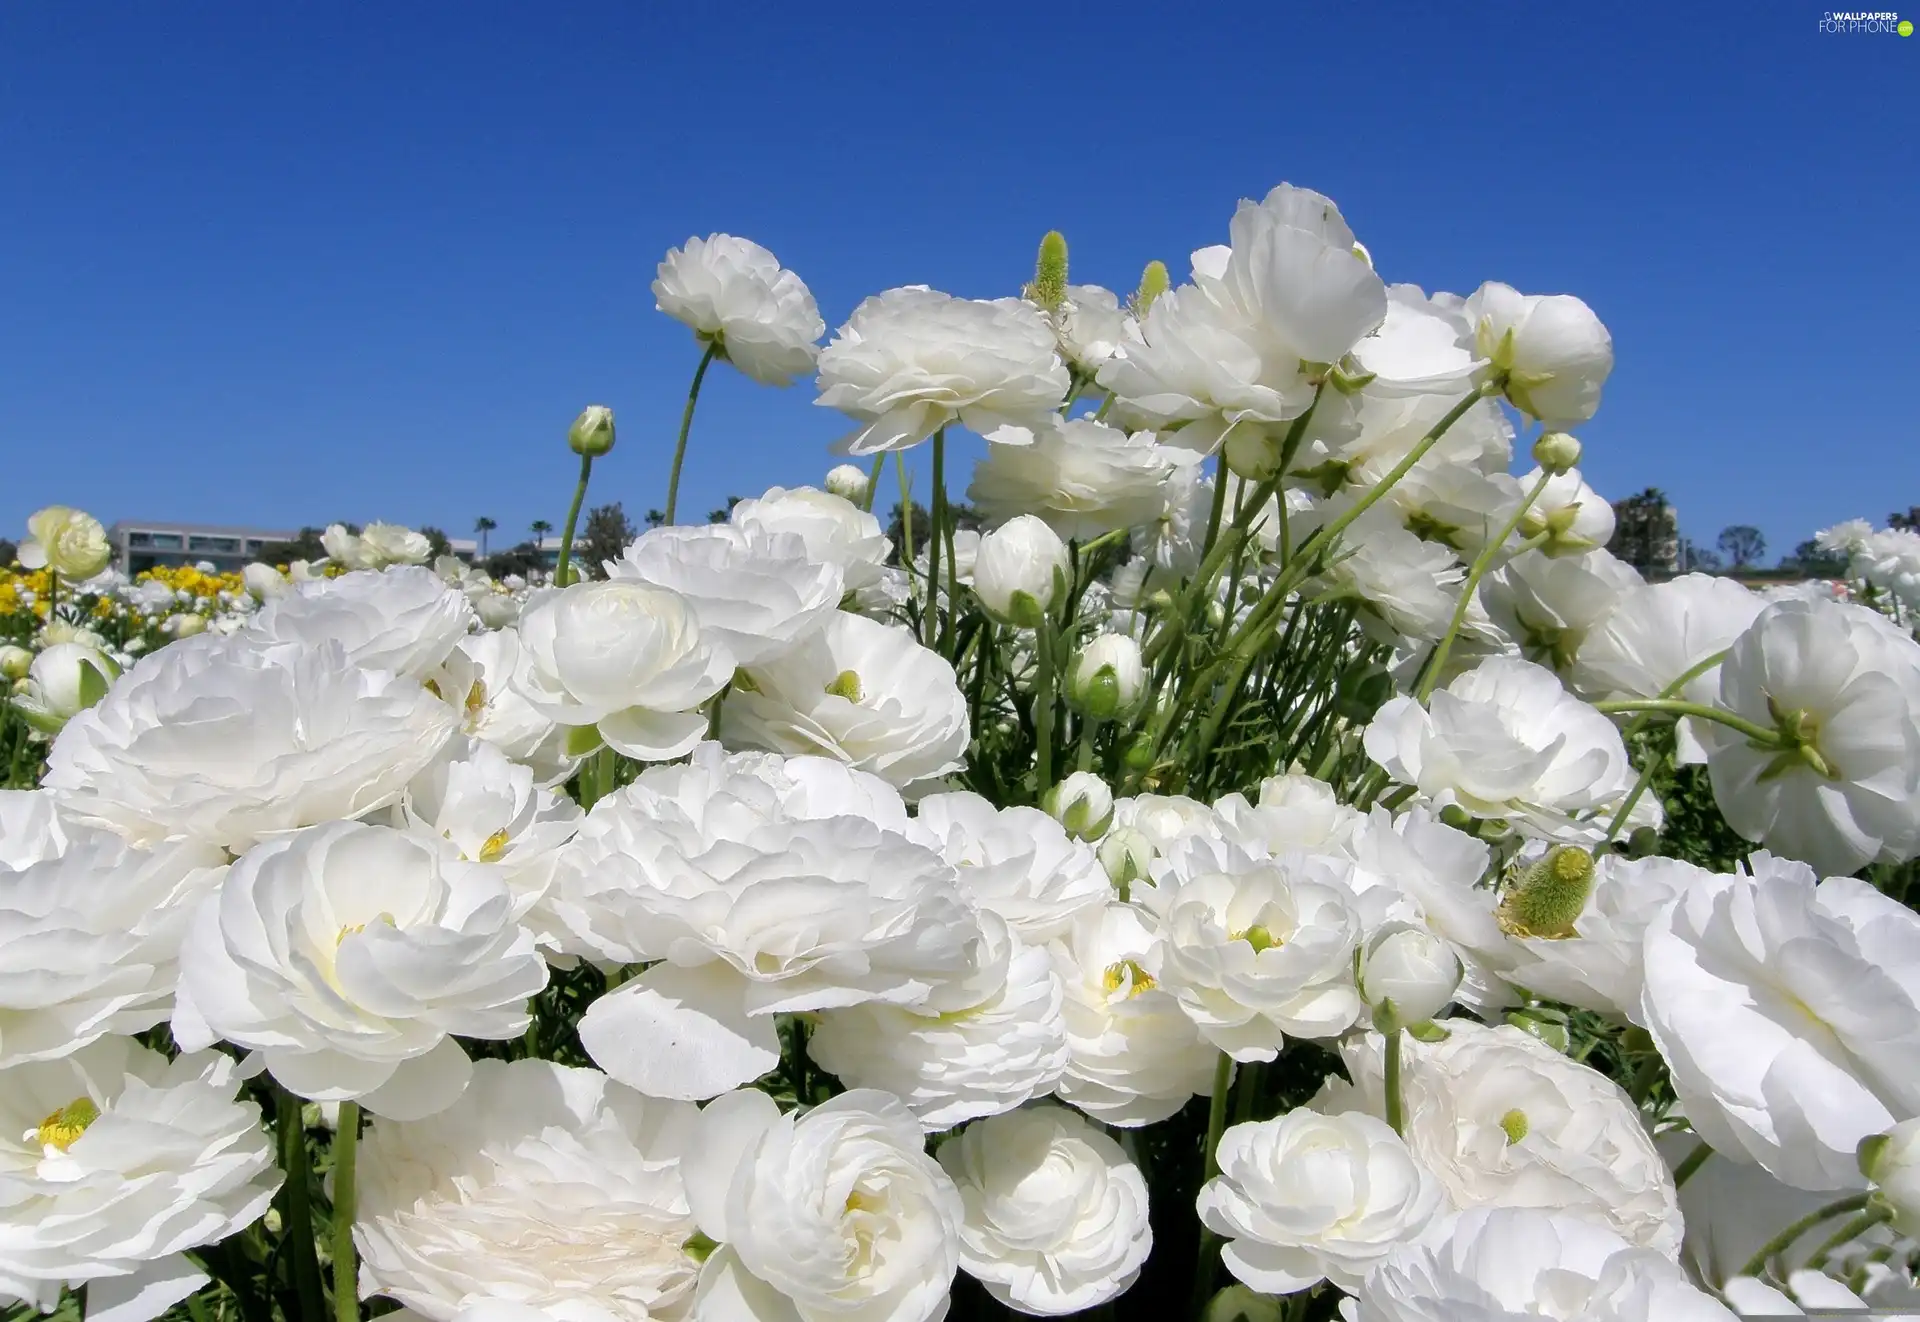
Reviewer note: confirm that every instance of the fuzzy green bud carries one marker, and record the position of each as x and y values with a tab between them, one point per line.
1049	287
1153	283
1546	898
1237	1303
592	432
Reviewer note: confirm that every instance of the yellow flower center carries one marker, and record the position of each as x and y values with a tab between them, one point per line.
494	846
1260	938
348	929
846	685
1514	1124
63	1127
1127	973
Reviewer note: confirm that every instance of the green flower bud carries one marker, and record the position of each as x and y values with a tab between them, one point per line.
1546	898
1556	452
1049	287
592	432
1153	283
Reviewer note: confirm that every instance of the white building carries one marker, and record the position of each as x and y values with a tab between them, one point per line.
146	543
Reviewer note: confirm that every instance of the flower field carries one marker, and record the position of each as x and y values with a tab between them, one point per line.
1280	866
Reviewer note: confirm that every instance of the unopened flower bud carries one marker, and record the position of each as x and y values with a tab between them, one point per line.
1252	452
62	682
1107	679
1546	898
1125	854
592	432
1557	451
1892	1161
849	483
1019	569
185	624
1406	975
1083	804
14	661
1237	1303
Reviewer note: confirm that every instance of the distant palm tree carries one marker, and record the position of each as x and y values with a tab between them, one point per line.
540	529
483	525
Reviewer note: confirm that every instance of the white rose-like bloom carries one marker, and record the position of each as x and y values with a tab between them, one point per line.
838	1214
850	482
1575	518
835	530
960	1063
1423	348
1407	974
1506	740
736	296
90	929
1091	325
393	544
348	955
69	542
483	808
1018	862
1549	605
1082	477
1658	632
1789	1016
627	659
1599	967
553	1187
754	593
405	619
860	692
1555	352
1504	1120
1295	814
1018	569
1255	949
1310	1197
1513	1264
911	361
1407	587
478	682
218	740
1846	683
1055	1214
1134	1058
113	1162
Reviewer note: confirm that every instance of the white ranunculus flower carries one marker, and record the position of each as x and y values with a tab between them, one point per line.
1505	740
113	1162
1788	1014
69	542
222	741
1018	569
1018	862
405	619
1550	605
1055	1214
850	482
1310	1197
957	1064
860	692
1082	477
1407	587
1091	325
1892	1161
1554	351
1255	949
1503	1120
1843	684
553	1187
913	360
736	296
835	530
755	593
835	1214
1295	813
63	681
478	681
90	928
1407	973
1389	426
483	808
1134	1058
1599	967
1424	347
1573	517
626	658
348	956
1658	632
1513	1264
392	544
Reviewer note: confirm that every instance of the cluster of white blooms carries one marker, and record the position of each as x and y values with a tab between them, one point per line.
1280	820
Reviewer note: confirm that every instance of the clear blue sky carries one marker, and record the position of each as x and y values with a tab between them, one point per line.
288	263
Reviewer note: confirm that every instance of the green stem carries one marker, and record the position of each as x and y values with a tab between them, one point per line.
1437	659
1851	1231
573	520
1043	712
1781	1242
1693	1162
1654	761
906	516
1203	1267
1672	690
1676	707
873	480
1219	506
937	506
346	1143
299	1217
686	424
1396	1103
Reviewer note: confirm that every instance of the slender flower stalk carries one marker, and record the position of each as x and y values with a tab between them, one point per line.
1396	1099
1206	1261
1676	707
1780	1243
561	567
686	424
299	1217
346	1143
1436	663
